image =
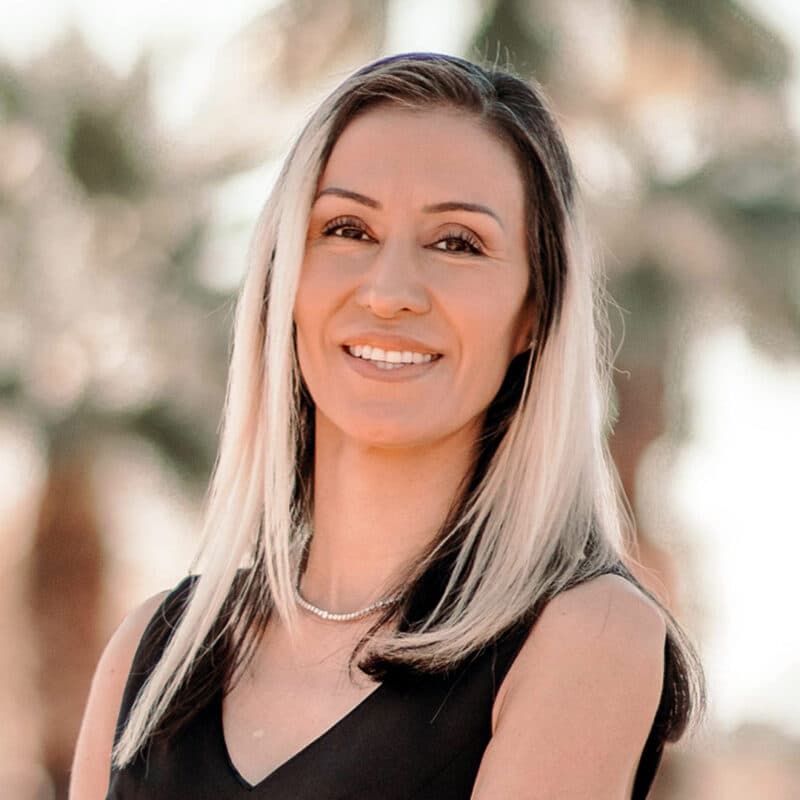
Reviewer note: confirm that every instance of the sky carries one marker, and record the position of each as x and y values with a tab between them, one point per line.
744	405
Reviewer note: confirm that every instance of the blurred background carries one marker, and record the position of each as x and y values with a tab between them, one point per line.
137	144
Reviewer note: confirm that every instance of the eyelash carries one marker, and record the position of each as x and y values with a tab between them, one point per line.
462	236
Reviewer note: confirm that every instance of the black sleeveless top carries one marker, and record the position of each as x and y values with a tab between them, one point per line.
420	741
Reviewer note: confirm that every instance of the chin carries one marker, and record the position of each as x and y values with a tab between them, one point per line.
390	438
390	431
387	433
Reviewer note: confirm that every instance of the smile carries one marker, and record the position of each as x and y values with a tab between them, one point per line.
389	359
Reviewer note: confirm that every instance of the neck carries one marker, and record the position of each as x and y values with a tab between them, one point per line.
375	510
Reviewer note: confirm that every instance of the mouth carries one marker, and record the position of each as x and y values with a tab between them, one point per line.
389	359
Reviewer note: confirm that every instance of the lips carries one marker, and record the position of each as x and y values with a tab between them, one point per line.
390	342
389	357
385	371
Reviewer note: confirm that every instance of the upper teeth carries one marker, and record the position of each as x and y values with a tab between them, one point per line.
391	356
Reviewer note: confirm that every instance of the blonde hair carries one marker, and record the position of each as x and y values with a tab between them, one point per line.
541	509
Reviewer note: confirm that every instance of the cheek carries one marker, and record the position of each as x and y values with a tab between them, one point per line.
324	283
307	331
306	285
309	302
492	337
492	323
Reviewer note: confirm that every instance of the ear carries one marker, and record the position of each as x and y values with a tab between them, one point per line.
524	338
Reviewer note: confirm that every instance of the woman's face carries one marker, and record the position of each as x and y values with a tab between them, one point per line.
416	251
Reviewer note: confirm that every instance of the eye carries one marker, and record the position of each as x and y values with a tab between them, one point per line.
346	228
460	241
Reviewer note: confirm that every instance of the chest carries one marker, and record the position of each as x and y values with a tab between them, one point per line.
269	719
421	739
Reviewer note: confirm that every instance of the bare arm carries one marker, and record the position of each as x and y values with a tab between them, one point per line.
92	761
577	705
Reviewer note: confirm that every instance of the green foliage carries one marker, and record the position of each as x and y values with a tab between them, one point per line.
101	154
11	94
518	31
647	296
744	47
106	239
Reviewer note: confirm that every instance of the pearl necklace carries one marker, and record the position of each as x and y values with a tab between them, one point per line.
346	617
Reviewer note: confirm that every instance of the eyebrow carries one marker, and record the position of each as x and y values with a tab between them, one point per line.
434	208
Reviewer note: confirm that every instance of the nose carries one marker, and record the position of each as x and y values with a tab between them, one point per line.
392	282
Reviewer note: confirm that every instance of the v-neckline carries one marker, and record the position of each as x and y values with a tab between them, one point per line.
284	765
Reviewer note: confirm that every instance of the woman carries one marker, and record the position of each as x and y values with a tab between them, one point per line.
412	473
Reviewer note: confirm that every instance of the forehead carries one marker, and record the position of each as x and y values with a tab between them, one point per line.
426	155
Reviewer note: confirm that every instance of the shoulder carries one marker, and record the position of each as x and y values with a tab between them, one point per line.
122	645
606	623
604	612
582	693
95	740
115	662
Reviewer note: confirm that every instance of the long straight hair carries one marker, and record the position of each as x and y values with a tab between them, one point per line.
541	508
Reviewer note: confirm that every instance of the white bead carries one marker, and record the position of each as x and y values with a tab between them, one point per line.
347	616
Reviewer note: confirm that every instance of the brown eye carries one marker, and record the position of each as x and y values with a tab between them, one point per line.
459	242
346	228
